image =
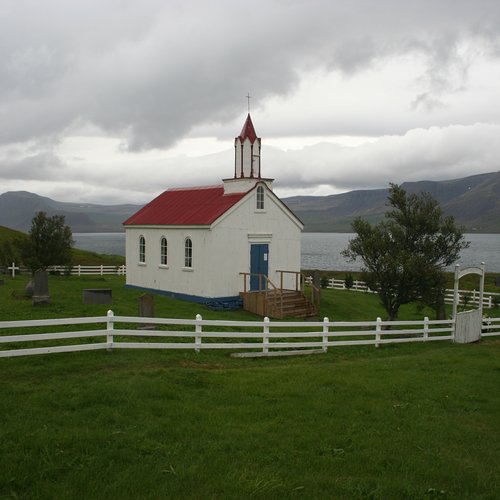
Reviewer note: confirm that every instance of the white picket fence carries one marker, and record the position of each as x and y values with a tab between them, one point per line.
491	327
471	297
78	270
258	338
86	270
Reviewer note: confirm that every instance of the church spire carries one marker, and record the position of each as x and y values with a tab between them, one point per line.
247	152
247	172
248	131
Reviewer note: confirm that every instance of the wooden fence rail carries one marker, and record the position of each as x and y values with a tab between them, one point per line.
466	297
77	270
262	338
491	327
87	270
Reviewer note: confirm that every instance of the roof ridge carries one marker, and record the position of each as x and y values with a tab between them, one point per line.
196	188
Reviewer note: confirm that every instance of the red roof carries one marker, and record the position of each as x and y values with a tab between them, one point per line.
185	206
248	131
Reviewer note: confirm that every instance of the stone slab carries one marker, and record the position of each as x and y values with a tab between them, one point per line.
97	296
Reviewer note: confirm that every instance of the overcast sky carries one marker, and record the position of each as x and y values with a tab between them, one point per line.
114	101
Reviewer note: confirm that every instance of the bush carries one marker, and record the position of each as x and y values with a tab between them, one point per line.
325	282
348	281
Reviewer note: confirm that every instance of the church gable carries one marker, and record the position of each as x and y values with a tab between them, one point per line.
258	203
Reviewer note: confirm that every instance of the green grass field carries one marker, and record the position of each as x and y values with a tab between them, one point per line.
400	421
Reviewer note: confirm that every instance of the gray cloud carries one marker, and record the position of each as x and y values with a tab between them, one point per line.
152	71
421	154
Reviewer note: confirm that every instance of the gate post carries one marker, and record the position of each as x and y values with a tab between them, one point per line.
455	292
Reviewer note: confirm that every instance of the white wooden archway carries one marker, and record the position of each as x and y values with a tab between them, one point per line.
468	323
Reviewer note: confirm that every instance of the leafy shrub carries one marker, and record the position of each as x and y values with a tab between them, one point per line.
348	281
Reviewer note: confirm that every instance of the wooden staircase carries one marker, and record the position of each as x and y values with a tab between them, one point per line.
289	303
280	303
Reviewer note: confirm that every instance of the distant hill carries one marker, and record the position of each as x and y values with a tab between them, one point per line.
17	209
474	202
6	233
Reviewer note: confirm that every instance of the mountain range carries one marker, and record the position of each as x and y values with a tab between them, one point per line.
474	201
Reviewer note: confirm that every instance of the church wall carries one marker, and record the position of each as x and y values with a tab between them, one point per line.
219	254
173	277
247	225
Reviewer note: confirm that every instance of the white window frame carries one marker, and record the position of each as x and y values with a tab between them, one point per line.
188	253
163	251
260	198
142	249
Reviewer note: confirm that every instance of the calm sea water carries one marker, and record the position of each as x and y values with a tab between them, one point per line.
319	250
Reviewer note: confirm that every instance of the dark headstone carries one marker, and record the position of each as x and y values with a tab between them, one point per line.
98	296
41	288
497	281
146	310
2	282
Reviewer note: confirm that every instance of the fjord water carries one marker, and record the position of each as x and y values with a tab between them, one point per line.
319	250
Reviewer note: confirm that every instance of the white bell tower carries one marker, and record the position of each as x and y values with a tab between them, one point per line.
247	164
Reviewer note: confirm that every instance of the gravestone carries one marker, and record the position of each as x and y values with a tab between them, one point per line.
146	310
2	282
497	281
97	296
41	288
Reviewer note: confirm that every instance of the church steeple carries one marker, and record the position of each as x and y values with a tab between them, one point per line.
247	171
248	131
247	152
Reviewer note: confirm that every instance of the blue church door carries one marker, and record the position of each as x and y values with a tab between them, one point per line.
259	264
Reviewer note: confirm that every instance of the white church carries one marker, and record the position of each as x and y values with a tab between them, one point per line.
215	243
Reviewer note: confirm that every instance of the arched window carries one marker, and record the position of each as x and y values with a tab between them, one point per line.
163	251
142	249
188	253
260	198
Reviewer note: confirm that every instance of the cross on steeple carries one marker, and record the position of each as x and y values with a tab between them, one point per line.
248	96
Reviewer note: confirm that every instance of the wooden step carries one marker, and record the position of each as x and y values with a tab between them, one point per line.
279	304
293	304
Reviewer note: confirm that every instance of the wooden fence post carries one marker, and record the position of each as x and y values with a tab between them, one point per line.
265	335
325	330
198	330
426	328
378	329
109	330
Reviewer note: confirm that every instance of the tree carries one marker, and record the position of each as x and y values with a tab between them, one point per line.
8	252
404	256
48	243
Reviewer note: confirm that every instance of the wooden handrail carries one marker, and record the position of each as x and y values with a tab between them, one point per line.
300	279
315	292
269	286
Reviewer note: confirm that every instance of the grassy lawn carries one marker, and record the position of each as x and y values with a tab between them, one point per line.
401	421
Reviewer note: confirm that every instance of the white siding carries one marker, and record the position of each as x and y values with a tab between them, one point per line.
220	253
